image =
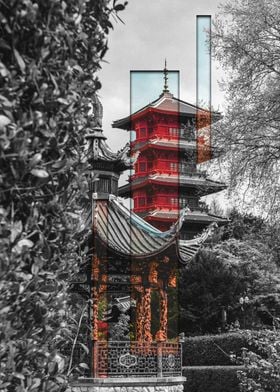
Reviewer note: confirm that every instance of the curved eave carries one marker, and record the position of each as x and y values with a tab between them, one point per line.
205	218
126	122
192	217
162	144
203	188
128	235
107	164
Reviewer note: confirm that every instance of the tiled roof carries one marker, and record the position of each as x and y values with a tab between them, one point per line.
102	152
166	102
129	235
205	185
175	144
191	216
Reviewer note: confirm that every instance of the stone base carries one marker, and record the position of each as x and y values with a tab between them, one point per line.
129	384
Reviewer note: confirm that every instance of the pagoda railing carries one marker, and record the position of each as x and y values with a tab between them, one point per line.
169	134
169	202
137	359
182	172
174	134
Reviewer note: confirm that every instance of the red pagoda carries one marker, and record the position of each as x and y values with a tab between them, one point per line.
167	177
129	281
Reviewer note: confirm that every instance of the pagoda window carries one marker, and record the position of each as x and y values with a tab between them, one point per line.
142	167
173	166
174	201
142	133
173	131
141	202
104	185
192	203
183	202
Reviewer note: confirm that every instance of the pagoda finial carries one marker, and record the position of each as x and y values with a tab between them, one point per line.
165	71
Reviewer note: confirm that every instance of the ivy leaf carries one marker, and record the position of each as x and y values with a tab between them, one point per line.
25	242
20	61
4	385
63	101
84	347
19	375
36	383
5	310
83	365
3	70
21	244
59	164
35	159
16	230
41	173
4	121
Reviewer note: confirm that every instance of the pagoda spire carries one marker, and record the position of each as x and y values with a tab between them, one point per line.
105	164
165	71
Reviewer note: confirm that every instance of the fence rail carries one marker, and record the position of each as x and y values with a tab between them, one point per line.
116	359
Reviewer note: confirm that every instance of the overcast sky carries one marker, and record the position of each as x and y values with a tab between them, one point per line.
153	31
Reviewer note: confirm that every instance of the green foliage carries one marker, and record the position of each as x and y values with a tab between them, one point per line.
262	371
120	329
249	132
213	350
50	52
241	259
207	284
211	378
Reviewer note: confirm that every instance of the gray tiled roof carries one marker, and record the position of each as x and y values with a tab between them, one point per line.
167	102
129	235
205	185
192	216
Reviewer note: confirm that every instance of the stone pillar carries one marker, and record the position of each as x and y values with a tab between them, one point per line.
94	321
147	315
94	295
140	318
162	333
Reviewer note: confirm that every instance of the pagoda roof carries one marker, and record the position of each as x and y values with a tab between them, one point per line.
127	234
171	144
192	216
165	103
205	185
103	153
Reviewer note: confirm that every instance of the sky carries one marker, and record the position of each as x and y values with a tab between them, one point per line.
152	32
146	86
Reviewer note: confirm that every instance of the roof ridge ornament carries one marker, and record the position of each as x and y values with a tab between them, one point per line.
165	71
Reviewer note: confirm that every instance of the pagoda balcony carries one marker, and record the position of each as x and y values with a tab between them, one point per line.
168	134
169	168
170	207
157	206
169	202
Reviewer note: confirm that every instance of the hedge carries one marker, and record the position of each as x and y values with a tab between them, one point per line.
211	378
212	350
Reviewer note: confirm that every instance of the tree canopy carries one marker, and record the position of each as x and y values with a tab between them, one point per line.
246	43
50	52
242	259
